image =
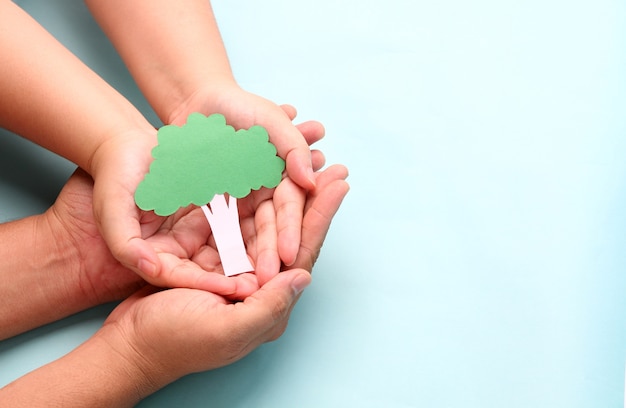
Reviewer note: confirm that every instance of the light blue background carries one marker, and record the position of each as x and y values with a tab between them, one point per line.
478	260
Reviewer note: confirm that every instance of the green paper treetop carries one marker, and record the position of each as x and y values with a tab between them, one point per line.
206	157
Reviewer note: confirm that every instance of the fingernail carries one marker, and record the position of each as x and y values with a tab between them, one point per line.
300	282
311	176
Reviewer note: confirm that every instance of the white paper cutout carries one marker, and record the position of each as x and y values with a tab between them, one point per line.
224	220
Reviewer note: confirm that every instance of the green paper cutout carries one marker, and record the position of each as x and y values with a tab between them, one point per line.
200	162
206	157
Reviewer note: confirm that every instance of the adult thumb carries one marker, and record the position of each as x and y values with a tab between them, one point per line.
268	308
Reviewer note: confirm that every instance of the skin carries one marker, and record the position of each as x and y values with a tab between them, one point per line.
87	246
193	73
94	126
183	240
132	356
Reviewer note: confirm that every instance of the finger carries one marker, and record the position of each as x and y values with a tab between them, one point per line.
123	162
317	159
290	111
266	242
299	166
332	173
312	131
268	309
289	201
320	209
120	228
176	273
247	284
247	207
293	148
208	259
280	328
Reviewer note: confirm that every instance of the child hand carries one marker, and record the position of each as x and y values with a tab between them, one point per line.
162	250
243	110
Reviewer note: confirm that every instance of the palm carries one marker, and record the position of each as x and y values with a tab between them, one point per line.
204	329
180	313
187	250
103	277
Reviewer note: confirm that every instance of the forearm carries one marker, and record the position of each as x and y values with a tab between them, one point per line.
102	372
37	272
50	97
172	48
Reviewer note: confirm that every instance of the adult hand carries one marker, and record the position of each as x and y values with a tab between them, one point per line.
155	337
96	275
196	330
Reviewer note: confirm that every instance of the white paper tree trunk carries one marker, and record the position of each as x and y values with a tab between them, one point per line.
223	217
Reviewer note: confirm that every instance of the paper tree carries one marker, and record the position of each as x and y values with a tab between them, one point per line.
199	163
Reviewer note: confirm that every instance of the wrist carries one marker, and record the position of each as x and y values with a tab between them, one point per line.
101	372
122	149
37	265
142	371
58	264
